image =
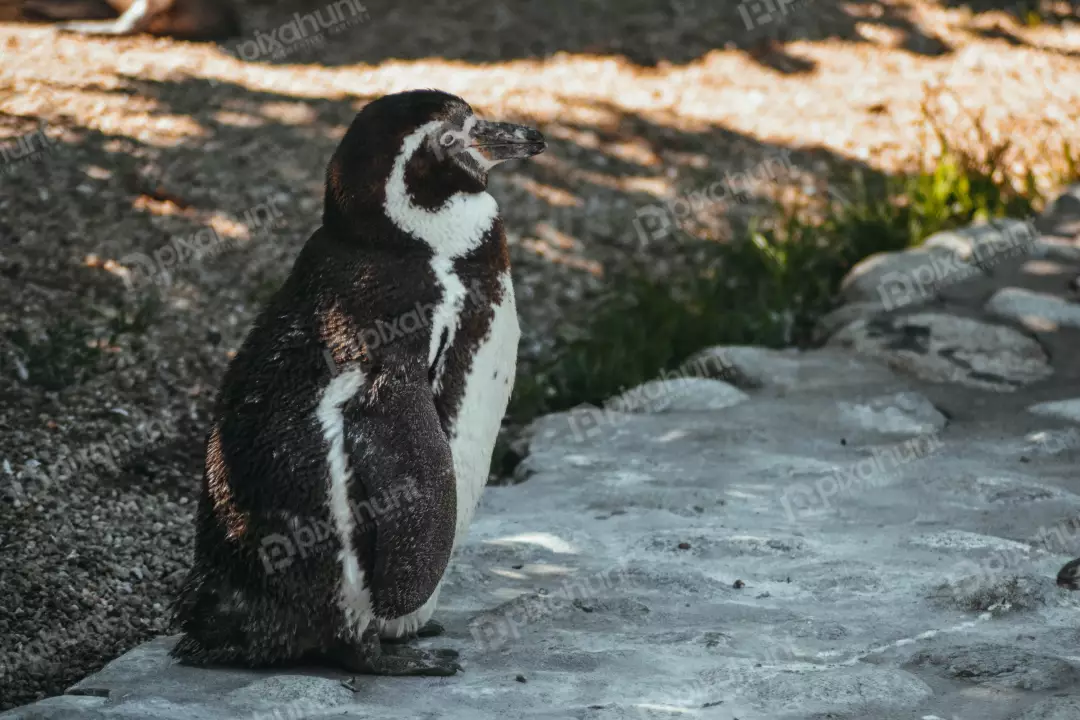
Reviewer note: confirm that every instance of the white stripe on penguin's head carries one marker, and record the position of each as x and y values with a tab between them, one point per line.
454	228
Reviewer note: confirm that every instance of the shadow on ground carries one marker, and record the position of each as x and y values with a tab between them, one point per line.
646	32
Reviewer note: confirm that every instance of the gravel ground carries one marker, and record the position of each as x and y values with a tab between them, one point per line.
140	145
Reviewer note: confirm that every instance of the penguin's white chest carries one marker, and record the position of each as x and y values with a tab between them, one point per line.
452	231
487	388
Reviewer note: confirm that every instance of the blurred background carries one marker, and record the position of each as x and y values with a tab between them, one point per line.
715	168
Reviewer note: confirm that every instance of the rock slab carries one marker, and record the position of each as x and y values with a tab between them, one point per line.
816	550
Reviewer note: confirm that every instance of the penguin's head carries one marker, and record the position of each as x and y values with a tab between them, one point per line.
423	147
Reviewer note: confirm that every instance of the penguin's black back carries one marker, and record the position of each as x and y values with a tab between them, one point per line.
266	464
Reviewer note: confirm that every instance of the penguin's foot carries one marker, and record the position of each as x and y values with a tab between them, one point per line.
399	660
430	629
370	657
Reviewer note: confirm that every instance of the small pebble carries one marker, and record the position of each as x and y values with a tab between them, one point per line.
521	679
684	546
739	585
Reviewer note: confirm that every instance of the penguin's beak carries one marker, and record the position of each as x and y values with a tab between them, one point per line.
498	141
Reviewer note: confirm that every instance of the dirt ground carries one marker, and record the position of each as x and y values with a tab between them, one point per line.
121	155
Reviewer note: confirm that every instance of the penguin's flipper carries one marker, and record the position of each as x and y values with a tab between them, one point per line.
404	494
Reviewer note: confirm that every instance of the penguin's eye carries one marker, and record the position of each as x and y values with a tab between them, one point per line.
447	139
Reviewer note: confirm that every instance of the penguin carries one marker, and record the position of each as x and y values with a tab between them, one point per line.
343	465
183	19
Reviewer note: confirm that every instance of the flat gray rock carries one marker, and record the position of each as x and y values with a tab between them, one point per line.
989	244
845	315
1062	216
907	279
1002	666
1055	708
949	349
677	394
1057	250
1038	312
907	413
1064	409
785	371
828	552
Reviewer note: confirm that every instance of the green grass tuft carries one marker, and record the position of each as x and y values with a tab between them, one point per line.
772	286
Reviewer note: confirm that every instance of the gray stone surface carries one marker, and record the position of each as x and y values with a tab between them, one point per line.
987	244
1064	409
902	413
817	551
1055	708
677	394
783	371
1002	666
1062	216
1021	273
907	279
950	349
1038	312
1057	249
846	313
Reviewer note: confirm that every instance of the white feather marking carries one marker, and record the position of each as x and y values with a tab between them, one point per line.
447	312
354	598
487	392
451	231
455	228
